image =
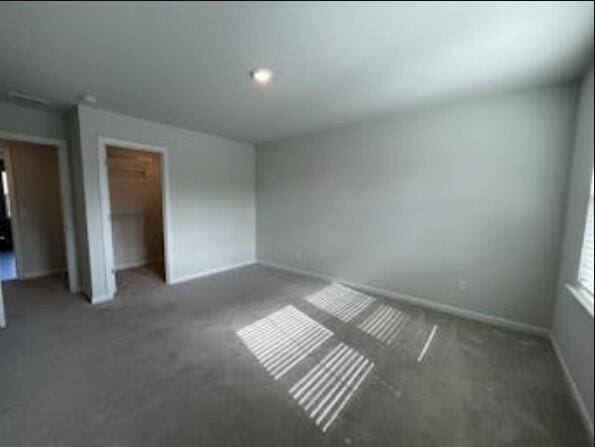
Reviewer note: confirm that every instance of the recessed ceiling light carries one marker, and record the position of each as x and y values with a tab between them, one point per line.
262	76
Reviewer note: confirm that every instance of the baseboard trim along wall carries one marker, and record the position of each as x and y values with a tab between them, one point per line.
134	264
40	273
445	308
208	272
104	298
578	398
2	315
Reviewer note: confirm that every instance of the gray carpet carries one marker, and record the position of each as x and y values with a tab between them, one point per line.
258	357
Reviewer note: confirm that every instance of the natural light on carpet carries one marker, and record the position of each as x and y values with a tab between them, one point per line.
327	388
281	340
340	301
384	323
323	388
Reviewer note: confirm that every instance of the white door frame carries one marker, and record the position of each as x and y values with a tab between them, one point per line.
2	316
104	196
14	227
66	201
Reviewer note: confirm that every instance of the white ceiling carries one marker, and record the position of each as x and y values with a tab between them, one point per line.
188	65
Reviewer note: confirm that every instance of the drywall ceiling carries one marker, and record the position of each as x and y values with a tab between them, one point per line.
188	64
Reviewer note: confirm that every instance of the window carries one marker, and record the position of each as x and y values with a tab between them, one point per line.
585	275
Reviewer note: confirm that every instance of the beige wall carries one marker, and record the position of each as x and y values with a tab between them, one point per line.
135	200
37	210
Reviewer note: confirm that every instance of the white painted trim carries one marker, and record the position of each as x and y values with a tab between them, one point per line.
65	197
444	308
41	273
16	235
208	272
134	264
576	394
100	299
582	296
102	143
2	315
68	219
104	199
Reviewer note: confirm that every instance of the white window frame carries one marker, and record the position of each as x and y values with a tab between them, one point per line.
581	290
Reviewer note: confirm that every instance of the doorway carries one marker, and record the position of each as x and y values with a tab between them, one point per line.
36	237
8	267
134	205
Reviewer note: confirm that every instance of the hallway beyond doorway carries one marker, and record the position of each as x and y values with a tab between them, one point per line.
7	265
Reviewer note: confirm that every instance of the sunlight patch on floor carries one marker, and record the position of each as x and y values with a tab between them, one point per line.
426	345
341	302
328	387
384	323
281	340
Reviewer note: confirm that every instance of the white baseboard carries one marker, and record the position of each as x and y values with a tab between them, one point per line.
98	299
134	264
104	298
578	398
208	272
2	315
429	304
41	273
